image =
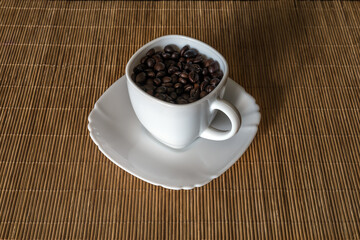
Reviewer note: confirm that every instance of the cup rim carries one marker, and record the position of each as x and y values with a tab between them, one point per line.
207	97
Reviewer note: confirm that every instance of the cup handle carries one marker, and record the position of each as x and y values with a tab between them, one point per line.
232	113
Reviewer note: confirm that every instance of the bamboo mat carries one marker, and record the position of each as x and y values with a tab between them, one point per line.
299	179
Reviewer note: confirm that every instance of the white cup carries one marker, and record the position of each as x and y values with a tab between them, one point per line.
177	125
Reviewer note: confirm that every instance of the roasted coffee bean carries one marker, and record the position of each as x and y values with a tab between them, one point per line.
178	85
150	52
208	62
188	87
166	79
219	74
139	68
205	72
198	59
157	81
191	53
150	91
214	67
182	59
174	76
157	58
169	49
161	74
175	55
150	62
173	95
209	88
143	60
203	94
166	55
183	50
195	93
182	80
169	63
170	89
172	69
149	81
185	96
179	65
193	77
179	91
141	77
184	75
214	81
203	85
159	66
161	89
151	74
192	99
181	100
167	84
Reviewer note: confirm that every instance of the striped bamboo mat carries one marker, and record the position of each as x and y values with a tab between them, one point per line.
300	177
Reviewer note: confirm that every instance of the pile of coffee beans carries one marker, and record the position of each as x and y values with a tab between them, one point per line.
174	76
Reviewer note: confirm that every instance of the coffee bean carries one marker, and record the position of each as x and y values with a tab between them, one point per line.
170	89
169	49
190	53
139	68
157	81
149	81
166	55
219	74
150	91
184	75
185	96
203	85
195	93
159	66
182	80
214	67
174	76
150	52
166	79
169	63
208	62
174	79
143	60
193	77
205	72
175	55
198	59
181	100
161	74
183	50
203	94
157	58
167	84
188	87
214	81
173	95
141	77
161	89
209	88
172	69
151	74
150	62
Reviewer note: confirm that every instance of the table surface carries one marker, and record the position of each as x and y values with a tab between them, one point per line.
299	178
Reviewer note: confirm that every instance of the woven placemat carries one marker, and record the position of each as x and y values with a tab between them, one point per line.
299	178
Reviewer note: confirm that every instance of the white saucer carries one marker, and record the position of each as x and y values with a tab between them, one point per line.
119	135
